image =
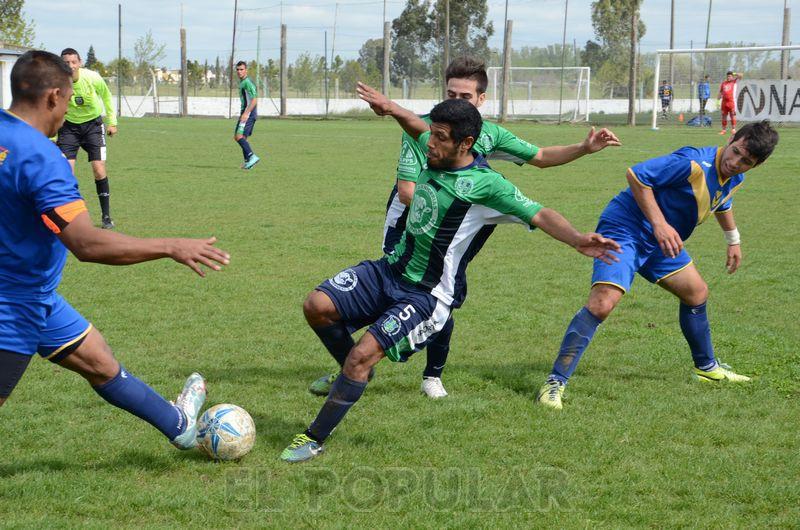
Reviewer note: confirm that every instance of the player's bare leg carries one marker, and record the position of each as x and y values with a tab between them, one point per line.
94	361
692	291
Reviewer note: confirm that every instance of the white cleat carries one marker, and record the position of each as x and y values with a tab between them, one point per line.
433	387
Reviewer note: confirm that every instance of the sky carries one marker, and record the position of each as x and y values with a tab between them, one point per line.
209	24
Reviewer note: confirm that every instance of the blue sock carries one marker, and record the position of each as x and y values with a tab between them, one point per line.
246	151
337	340
438	349
344	394
697	330
577	338
129	393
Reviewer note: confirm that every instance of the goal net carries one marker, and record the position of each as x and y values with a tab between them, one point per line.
766	89
537	92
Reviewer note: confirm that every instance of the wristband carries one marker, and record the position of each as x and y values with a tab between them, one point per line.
732	237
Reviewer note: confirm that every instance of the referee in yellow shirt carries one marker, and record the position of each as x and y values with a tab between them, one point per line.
84	126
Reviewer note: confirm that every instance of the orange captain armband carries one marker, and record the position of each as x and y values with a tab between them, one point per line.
57	219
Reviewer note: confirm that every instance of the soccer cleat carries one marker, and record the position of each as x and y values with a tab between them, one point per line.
721	372
550	394
253	160
433	387
301	449
107	224
322	386
190	401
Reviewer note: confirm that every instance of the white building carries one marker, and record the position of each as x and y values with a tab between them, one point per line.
8	56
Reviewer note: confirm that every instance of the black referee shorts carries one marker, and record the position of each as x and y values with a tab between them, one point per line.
91	136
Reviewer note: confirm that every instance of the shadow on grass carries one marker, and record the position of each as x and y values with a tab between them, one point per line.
522	378
127	460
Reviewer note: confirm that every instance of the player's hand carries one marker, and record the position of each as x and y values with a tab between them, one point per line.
597	140
194	252
380	104
668	239
112	130
734	258
596	246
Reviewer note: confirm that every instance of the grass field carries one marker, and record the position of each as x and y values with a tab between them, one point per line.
638	444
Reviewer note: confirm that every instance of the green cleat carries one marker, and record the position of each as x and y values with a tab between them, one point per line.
550	394
252	161
322	386
301	449
722	372
190	401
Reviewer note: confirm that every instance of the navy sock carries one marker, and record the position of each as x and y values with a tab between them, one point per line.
697	330
438	349
246	151
344	394
337	340
577	338
104	194
129	393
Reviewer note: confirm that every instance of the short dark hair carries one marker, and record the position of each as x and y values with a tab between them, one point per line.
466	67
36	72
241	63
462	117
70	51
729	72
760	139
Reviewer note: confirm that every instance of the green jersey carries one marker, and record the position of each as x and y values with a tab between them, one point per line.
90	99
247	93
494	140
447	213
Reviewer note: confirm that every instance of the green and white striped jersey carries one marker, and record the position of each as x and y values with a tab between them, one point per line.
494	142
447	213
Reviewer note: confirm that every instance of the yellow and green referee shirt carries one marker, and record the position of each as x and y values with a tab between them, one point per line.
91	99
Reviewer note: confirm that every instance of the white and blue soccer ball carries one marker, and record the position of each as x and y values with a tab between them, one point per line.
225	432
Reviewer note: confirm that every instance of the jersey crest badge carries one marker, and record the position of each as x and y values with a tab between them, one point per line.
345	280
407	161
424	210
3	154
464	185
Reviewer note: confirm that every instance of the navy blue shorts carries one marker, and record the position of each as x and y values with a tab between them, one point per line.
248	126
402	317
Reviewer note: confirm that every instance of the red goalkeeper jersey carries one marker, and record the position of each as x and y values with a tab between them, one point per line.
727	89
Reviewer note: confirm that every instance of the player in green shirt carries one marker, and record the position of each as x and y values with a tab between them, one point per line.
248	115
405	297
84	126
466	79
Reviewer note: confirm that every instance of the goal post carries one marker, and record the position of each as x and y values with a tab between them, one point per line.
761	93
536	92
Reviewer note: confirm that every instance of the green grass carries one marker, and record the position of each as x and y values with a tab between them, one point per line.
639	444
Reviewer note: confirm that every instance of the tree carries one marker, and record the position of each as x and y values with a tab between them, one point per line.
611	20
469	30
196	74
15	28
351	73
147	54
124	68
411	35
303	75
91	59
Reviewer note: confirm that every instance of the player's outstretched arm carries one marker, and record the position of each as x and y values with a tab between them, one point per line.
89	243
668	238
383	106
734	253
556	155
591	244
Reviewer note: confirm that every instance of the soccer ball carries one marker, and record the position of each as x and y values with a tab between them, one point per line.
225	432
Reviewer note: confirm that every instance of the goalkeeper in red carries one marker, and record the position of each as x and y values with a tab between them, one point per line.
727	106
667	198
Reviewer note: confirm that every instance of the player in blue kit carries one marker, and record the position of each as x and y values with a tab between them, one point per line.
667	198
42	214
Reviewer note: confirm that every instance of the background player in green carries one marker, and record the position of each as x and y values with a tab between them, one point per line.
405	297
466	79
84	127
248	115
